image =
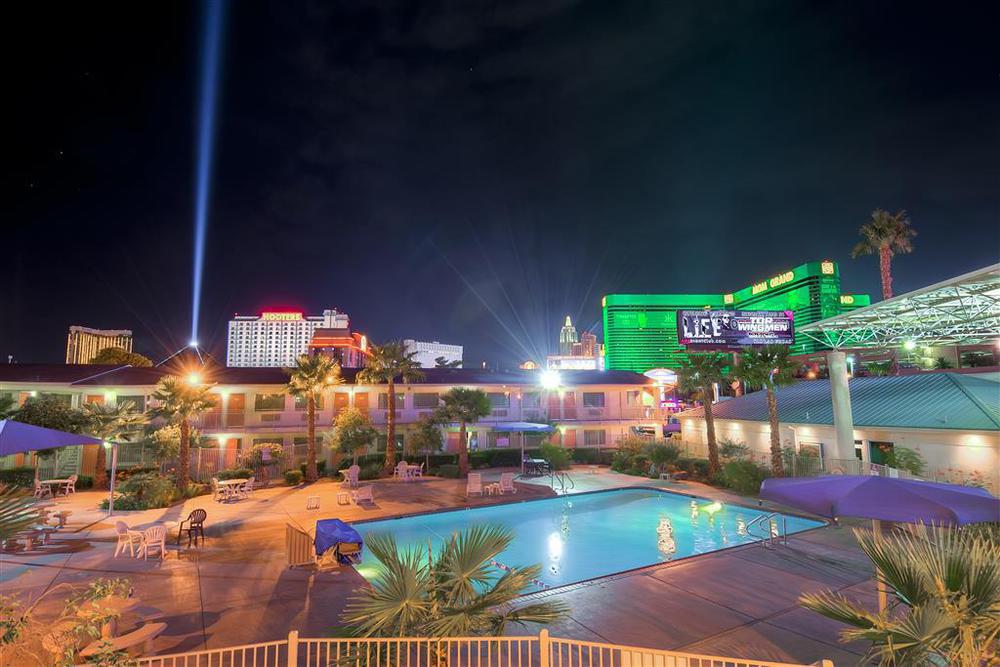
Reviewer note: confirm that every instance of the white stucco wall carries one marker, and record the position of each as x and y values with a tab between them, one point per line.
949	453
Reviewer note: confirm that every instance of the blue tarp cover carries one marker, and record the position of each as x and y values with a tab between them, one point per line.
331	532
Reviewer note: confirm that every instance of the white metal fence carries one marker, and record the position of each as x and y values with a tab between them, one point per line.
526	651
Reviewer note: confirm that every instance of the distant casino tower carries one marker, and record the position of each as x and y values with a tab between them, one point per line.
83	343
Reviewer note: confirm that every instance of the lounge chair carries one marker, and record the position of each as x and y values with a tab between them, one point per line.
126	538
363	494
507	483
154	537
195	526
474	484
351	476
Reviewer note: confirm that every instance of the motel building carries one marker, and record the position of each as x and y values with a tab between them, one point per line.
588	408
951	419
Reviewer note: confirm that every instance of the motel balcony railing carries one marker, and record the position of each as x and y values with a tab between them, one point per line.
539	650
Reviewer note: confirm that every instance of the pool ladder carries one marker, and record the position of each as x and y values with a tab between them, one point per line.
564	480
773	535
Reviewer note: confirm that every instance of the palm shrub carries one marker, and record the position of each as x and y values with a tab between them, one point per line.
456	592
111	422
946	585
17	510
906	459
465	406
662	454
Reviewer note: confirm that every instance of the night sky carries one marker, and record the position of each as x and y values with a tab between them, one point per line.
471	172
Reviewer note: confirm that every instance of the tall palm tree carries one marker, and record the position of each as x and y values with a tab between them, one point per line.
769	367
180	401
457	592
465	406
946	585
111	422
698	373
385	364
886	235
311	376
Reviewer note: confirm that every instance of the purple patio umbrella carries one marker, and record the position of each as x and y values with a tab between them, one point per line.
16	438
884	499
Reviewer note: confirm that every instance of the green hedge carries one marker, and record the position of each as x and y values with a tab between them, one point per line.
743	476
235	473
293	477
449	470
18	477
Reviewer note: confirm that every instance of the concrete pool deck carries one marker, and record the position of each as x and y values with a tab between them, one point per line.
236	589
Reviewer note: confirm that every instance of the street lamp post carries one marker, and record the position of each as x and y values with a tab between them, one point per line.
114	472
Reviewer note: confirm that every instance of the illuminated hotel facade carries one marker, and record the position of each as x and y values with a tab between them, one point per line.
83	343
640	330
276	338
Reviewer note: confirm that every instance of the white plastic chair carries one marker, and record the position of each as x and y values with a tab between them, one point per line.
351	476
154	537
402	471
417	472
247	488
363	495
126	538
474	484
216	489
507	483
70	486
42	490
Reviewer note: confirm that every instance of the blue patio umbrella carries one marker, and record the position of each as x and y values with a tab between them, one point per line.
884	499
16	438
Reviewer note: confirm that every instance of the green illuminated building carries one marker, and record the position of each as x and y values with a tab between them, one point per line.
640	330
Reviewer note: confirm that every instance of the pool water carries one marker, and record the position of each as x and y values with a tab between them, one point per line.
583	536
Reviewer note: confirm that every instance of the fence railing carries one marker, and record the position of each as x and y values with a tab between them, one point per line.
539	650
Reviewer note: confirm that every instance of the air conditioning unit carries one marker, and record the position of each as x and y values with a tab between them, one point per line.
595	412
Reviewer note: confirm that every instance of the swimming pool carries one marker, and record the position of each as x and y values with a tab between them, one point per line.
588	535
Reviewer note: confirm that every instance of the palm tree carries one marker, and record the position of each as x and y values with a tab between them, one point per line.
886	235
769	367
947	588
180	401
384	365
465	406
311	376
111	422
698	373
442	362
458	592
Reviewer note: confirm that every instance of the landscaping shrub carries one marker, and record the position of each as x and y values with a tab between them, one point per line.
592	455
697	468
662	454
906	459
744	476
18	477
235	473
84	482
449	470
193	489
320	468
732	449
125	473
293	477
143	491
370	471
557	456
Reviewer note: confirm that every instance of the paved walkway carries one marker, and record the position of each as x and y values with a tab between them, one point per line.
741	602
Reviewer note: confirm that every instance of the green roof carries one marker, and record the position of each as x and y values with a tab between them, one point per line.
927	400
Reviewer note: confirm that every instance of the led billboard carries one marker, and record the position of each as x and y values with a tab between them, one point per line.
733	329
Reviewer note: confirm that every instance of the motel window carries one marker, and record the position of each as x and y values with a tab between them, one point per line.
530	399
65	399
268	402
301	403
138	402
633	398
425	401
593	399
383	401
594	438
300	440
499	399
